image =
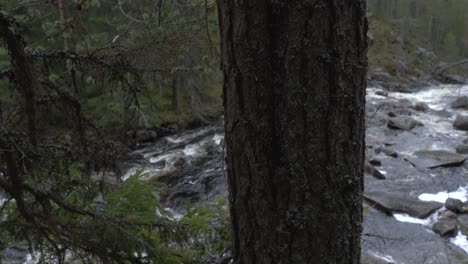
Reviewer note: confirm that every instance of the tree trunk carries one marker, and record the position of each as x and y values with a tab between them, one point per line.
175	93
294	97
62	23
23	69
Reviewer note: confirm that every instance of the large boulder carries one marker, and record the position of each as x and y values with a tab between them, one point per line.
403	123
446	225
369	168
460	102
456	206
399	202
375	162
462	149
461	122
421	107
436	158
390	152
403	103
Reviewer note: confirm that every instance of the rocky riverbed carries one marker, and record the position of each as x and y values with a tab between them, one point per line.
416	151
415	160
413	140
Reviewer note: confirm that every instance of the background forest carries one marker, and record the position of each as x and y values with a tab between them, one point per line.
111	76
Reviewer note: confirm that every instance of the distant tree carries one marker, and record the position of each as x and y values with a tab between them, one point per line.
294	91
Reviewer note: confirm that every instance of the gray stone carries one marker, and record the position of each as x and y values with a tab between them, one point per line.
399	202
460	102
387	151
375	162
461	122
403	123
437	158
403	103
422	107
390	152
454	205
368	168
381	93
445	227
462	149
448	215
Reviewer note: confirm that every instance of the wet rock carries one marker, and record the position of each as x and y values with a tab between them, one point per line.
370	258
446	225
397	87
179	162
456	206
161	175
403	123
390	152
387	151
448	215
421	107
462	221
407	243
436	158
460	102
381	93
462	149
375	162
403	103
368	168
461	122
399	202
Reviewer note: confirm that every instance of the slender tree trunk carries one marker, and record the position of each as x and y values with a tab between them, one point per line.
175	93
294	97
62	23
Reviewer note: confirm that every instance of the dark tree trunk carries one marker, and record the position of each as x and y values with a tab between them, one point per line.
294	97
23	69
175	93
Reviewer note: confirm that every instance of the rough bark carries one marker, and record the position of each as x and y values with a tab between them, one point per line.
294	97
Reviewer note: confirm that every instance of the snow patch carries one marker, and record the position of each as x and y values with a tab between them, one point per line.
441	197
461	241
